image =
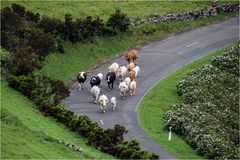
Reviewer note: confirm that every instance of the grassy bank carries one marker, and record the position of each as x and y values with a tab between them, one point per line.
82	56
26	133
164	93
134	9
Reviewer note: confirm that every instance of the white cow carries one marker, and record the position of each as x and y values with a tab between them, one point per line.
114	103
127	81
133	87
103	101
121	72
95	91
123	87
137	71
113	67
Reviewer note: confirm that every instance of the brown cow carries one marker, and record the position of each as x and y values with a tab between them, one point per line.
131	56
131	75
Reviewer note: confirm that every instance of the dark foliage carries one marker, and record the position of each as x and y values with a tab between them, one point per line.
119	22
20	10
23	62
30	16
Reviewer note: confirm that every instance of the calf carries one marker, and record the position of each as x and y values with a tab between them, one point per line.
111	77
81	77
95	81
103	101
114	103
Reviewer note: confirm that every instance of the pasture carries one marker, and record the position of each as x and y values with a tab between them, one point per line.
165	94
103	9
26	133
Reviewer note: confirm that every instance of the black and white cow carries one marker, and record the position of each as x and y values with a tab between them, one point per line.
81	77
95	81
111	77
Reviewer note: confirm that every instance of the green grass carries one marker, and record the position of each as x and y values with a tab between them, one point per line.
134	9
27	134
82	56
164	93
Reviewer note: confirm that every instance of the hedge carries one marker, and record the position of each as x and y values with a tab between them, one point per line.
208	116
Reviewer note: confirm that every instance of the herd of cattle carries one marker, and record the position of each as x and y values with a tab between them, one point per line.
114	72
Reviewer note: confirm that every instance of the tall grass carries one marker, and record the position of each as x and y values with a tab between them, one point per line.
164	93
82	56
27	134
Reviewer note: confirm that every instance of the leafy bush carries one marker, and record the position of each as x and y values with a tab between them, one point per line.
208	117
229	61
119	22
20	10
23	62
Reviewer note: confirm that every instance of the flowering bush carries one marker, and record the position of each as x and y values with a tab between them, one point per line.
208	117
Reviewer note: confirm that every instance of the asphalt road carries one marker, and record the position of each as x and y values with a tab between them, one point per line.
156	60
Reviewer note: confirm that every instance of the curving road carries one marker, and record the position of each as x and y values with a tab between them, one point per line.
156	60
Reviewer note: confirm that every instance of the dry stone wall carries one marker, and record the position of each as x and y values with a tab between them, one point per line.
206	12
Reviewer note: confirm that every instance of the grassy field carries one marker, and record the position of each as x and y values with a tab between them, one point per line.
82	56
134	9
165	94
27	134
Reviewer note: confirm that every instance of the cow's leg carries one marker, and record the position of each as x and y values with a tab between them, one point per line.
79	86
112	85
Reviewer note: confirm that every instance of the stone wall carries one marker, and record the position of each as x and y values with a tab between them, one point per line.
206	12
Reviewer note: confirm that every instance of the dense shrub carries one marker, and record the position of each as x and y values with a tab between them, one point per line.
23	62
119	22
229	61
20	10
208	117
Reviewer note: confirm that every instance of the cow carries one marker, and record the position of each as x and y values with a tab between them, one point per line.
123	87
121	72
133	86
95	91
95	81
81	78
103	101
114	103
131	56
131	75
113	68
111	77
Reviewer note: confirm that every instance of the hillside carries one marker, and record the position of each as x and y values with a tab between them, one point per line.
103	9
26	133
